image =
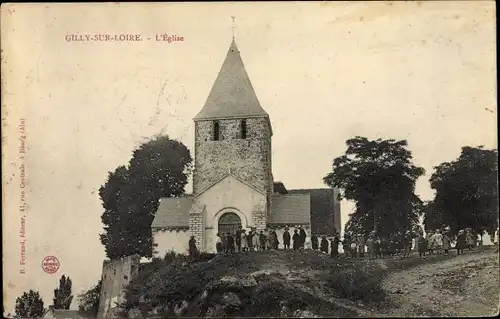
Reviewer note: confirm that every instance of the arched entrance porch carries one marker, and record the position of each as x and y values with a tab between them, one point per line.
229	222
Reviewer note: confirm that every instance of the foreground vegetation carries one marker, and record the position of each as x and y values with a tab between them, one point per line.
271	283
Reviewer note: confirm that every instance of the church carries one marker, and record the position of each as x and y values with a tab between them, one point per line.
233	181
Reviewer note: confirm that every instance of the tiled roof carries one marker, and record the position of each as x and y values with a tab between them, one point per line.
324	209
232	94
279	187
290	209
173	212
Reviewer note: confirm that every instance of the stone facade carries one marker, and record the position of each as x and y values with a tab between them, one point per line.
259	216
249	159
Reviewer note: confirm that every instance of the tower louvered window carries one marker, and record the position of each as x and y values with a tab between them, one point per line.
216	131
243	129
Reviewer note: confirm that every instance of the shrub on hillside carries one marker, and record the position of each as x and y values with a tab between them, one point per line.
178	278
356	283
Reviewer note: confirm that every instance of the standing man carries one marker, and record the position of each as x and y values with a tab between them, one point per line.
238	239
408	238
225	245
361	246
422	244
275	239
334	251
193	251
370	245
303	236
461	242
346	245
296	240
314	242
286	239
324	245
230	242
262	239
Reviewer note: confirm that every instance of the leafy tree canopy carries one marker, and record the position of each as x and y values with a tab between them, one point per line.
379	176
466	192
29	305
130	197
62	295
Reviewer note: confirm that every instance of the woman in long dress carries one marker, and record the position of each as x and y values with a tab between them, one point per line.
255	241
469	239
244	246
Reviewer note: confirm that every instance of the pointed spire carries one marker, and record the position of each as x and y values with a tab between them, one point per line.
232	95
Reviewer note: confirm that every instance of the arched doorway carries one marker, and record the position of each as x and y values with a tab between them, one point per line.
229	223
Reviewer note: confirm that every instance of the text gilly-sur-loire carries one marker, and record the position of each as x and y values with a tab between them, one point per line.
103	37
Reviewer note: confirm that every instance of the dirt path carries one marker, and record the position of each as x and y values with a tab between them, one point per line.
466	285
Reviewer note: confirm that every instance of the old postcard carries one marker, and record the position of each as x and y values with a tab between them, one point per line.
278	159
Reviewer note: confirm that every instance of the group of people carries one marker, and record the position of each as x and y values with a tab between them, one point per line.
324	244
240	241
435	242
373	246
439	241
354	245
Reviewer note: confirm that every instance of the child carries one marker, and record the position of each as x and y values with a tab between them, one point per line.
422	245
354	250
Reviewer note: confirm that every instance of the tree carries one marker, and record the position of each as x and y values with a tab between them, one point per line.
88	302
62	295
466	192
380	177
29	305
432	217
130	197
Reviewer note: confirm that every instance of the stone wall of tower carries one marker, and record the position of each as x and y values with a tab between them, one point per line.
249	159
197	224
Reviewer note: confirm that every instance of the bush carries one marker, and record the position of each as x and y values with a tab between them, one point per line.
356	284
179	277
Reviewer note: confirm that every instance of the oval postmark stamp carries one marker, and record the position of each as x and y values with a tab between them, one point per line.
50	264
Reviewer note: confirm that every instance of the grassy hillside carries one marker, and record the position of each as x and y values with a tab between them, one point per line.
273	283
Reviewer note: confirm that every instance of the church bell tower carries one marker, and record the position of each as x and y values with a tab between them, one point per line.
233	132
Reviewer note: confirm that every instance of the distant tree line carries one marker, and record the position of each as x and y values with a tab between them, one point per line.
380	177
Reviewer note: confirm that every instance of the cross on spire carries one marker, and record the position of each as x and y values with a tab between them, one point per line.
233	17
229	169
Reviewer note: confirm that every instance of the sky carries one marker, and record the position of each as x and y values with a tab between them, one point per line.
325	72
